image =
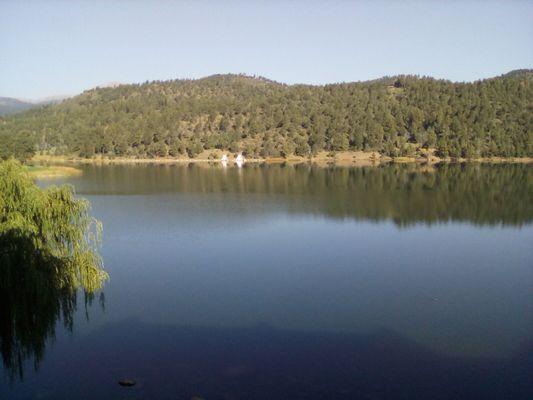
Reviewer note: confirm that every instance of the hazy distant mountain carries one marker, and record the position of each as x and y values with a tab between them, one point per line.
51	99
9	105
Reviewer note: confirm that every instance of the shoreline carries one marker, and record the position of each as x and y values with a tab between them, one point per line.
340	159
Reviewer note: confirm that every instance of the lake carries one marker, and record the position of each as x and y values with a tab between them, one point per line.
297	282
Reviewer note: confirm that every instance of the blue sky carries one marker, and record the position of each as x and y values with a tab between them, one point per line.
64	47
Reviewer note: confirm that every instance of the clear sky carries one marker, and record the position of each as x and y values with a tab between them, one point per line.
63	47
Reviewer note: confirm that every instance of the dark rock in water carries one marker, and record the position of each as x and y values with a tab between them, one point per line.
126	382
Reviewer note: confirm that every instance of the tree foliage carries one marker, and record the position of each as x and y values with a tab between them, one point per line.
48	249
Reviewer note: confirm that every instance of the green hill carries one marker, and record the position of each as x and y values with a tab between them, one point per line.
396	116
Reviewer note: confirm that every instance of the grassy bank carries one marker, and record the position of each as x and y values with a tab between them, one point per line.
51	172
346	158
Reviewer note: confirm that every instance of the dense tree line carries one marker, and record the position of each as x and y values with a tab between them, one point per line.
397	116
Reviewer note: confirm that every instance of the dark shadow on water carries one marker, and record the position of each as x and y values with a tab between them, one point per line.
171	362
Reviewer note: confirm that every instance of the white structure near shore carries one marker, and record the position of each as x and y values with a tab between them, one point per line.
239	160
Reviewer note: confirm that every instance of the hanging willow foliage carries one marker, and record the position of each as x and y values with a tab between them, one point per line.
54	225
48	250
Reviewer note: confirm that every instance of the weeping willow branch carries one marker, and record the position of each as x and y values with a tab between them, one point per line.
48	250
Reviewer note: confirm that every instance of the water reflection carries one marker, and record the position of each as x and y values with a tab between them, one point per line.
32	302
406	194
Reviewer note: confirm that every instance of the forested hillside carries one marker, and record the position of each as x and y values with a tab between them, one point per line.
397	116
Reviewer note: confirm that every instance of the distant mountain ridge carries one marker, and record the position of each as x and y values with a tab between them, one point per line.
9	105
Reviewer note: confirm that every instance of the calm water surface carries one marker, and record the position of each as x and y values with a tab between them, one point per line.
295	282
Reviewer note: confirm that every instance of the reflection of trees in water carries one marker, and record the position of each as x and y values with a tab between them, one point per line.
47	251
404	193
471	193
481	194
32	303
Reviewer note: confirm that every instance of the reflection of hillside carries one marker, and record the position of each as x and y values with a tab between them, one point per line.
406	194
174	362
